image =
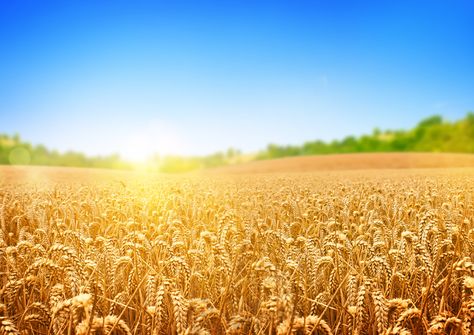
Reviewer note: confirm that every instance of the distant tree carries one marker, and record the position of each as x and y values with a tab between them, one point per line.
430	121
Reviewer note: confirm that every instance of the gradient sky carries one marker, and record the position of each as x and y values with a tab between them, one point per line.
194	77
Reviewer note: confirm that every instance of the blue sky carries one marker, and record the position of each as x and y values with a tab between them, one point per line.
195	77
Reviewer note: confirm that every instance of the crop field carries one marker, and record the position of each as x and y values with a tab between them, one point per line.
326	252
358	161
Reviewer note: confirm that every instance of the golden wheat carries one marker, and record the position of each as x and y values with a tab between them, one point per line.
343	253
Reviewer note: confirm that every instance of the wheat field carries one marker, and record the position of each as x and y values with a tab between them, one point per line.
334	252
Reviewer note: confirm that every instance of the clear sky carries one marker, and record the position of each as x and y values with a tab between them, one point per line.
194	77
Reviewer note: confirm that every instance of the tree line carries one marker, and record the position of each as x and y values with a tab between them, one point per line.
433	134
15	151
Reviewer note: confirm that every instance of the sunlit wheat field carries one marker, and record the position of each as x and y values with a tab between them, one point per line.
236	167
323	252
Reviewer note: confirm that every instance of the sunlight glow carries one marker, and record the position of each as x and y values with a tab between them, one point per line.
158	137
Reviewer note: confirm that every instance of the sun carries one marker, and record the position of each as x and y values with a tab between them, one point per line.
155	140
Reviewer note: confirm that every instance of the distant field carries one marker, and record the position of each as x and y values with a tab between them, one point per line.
284	165
54	175
327	252
352	162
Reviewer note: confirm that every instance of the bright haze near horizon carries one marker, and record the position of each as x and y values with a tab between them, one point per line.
196	77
